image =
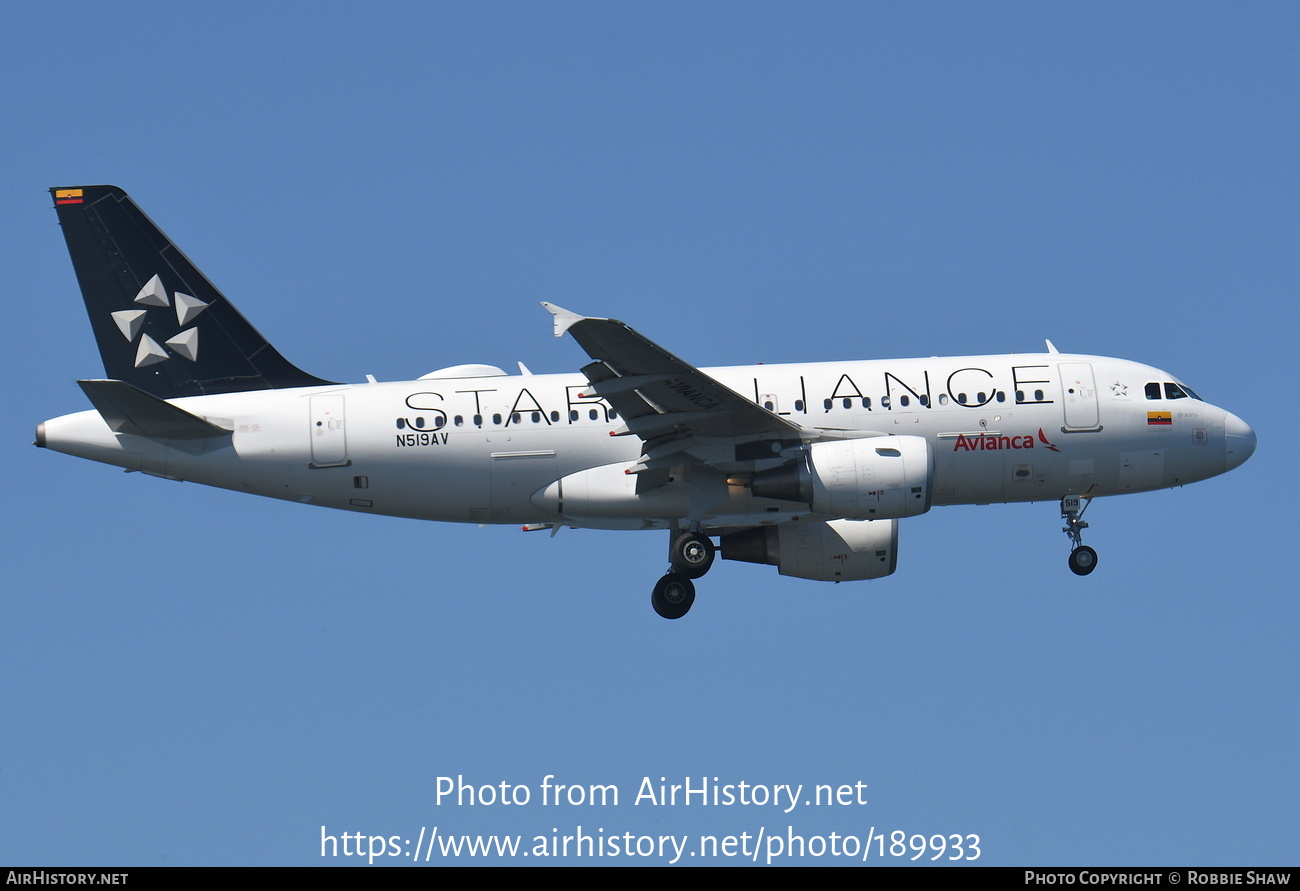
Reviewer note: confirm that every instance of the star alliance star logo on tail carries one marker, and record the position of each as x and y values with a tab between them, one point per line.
149	351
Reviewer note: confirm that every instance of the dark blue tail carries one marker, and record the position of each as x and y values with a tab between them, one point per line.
160	324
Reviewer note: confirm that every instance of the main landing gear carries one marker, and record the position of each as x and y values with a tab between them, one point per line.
690	556
673	595
1083	559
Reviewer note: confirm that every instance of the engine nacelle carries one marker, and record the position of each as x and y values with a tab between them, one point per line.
834	551
882	477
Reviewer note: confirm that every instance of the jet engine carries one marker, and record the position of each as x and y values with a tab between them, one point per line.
834	551
883	477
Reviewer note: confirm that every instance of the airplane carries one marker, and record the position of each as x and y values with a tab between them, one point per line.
806	467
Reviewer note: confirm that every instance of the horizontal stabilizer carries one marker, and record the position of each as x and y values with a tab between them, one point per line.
128	409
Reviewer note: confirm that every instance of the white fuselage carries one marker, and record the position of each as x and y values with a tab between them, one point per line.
483	449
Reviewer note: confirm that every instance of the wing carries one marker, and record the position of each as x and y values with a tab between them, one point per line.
679	412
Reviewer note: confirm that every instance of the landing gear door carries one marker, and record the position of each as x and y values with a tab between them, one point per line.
1079	393
329	444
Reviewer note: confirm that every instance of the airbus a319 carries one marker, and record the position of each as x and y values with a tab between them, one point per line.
806	467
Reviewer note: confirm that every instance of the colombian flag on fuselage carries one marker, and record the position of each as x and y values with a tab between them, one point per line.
1160	419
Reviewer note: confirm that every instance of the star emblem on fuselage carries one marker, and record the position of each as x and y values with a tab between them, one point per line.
1119	389
131	321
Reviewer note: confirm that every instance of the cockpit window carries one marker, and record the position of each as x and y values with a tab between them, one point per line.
1173	391
1153	391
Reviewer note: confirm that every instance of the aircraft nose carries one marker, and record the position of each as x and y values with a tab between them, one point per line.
1240	440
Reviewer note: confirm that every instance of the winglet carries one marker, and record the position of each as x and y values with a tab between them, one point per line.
1051	347
564	319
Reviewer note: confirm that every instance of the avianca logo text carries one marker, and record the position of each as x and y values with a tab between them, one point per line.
989	442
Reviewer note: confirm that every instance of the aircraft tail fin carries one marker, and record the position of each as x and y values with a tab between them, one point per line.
161	326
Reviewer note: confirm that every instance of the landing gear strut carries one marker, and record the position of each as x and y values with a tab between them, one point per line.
1083	559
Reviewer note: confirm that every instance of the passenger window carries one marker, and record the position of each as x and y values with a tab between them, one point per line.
848	403
478	420
904	401
460	421
537	417
826	404
496	419
593	414
866	403
613	415
1002	396
573	414
798	405
961	398
555	416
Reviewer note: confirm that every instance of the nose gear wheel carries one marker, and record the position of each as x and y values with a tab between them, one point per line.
1083	559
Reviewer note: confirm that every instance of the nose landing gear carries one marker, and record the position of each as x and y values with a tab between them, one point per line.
1083	559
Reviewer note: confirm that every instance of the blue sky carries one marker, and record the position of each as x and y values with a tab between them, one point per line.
193	676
